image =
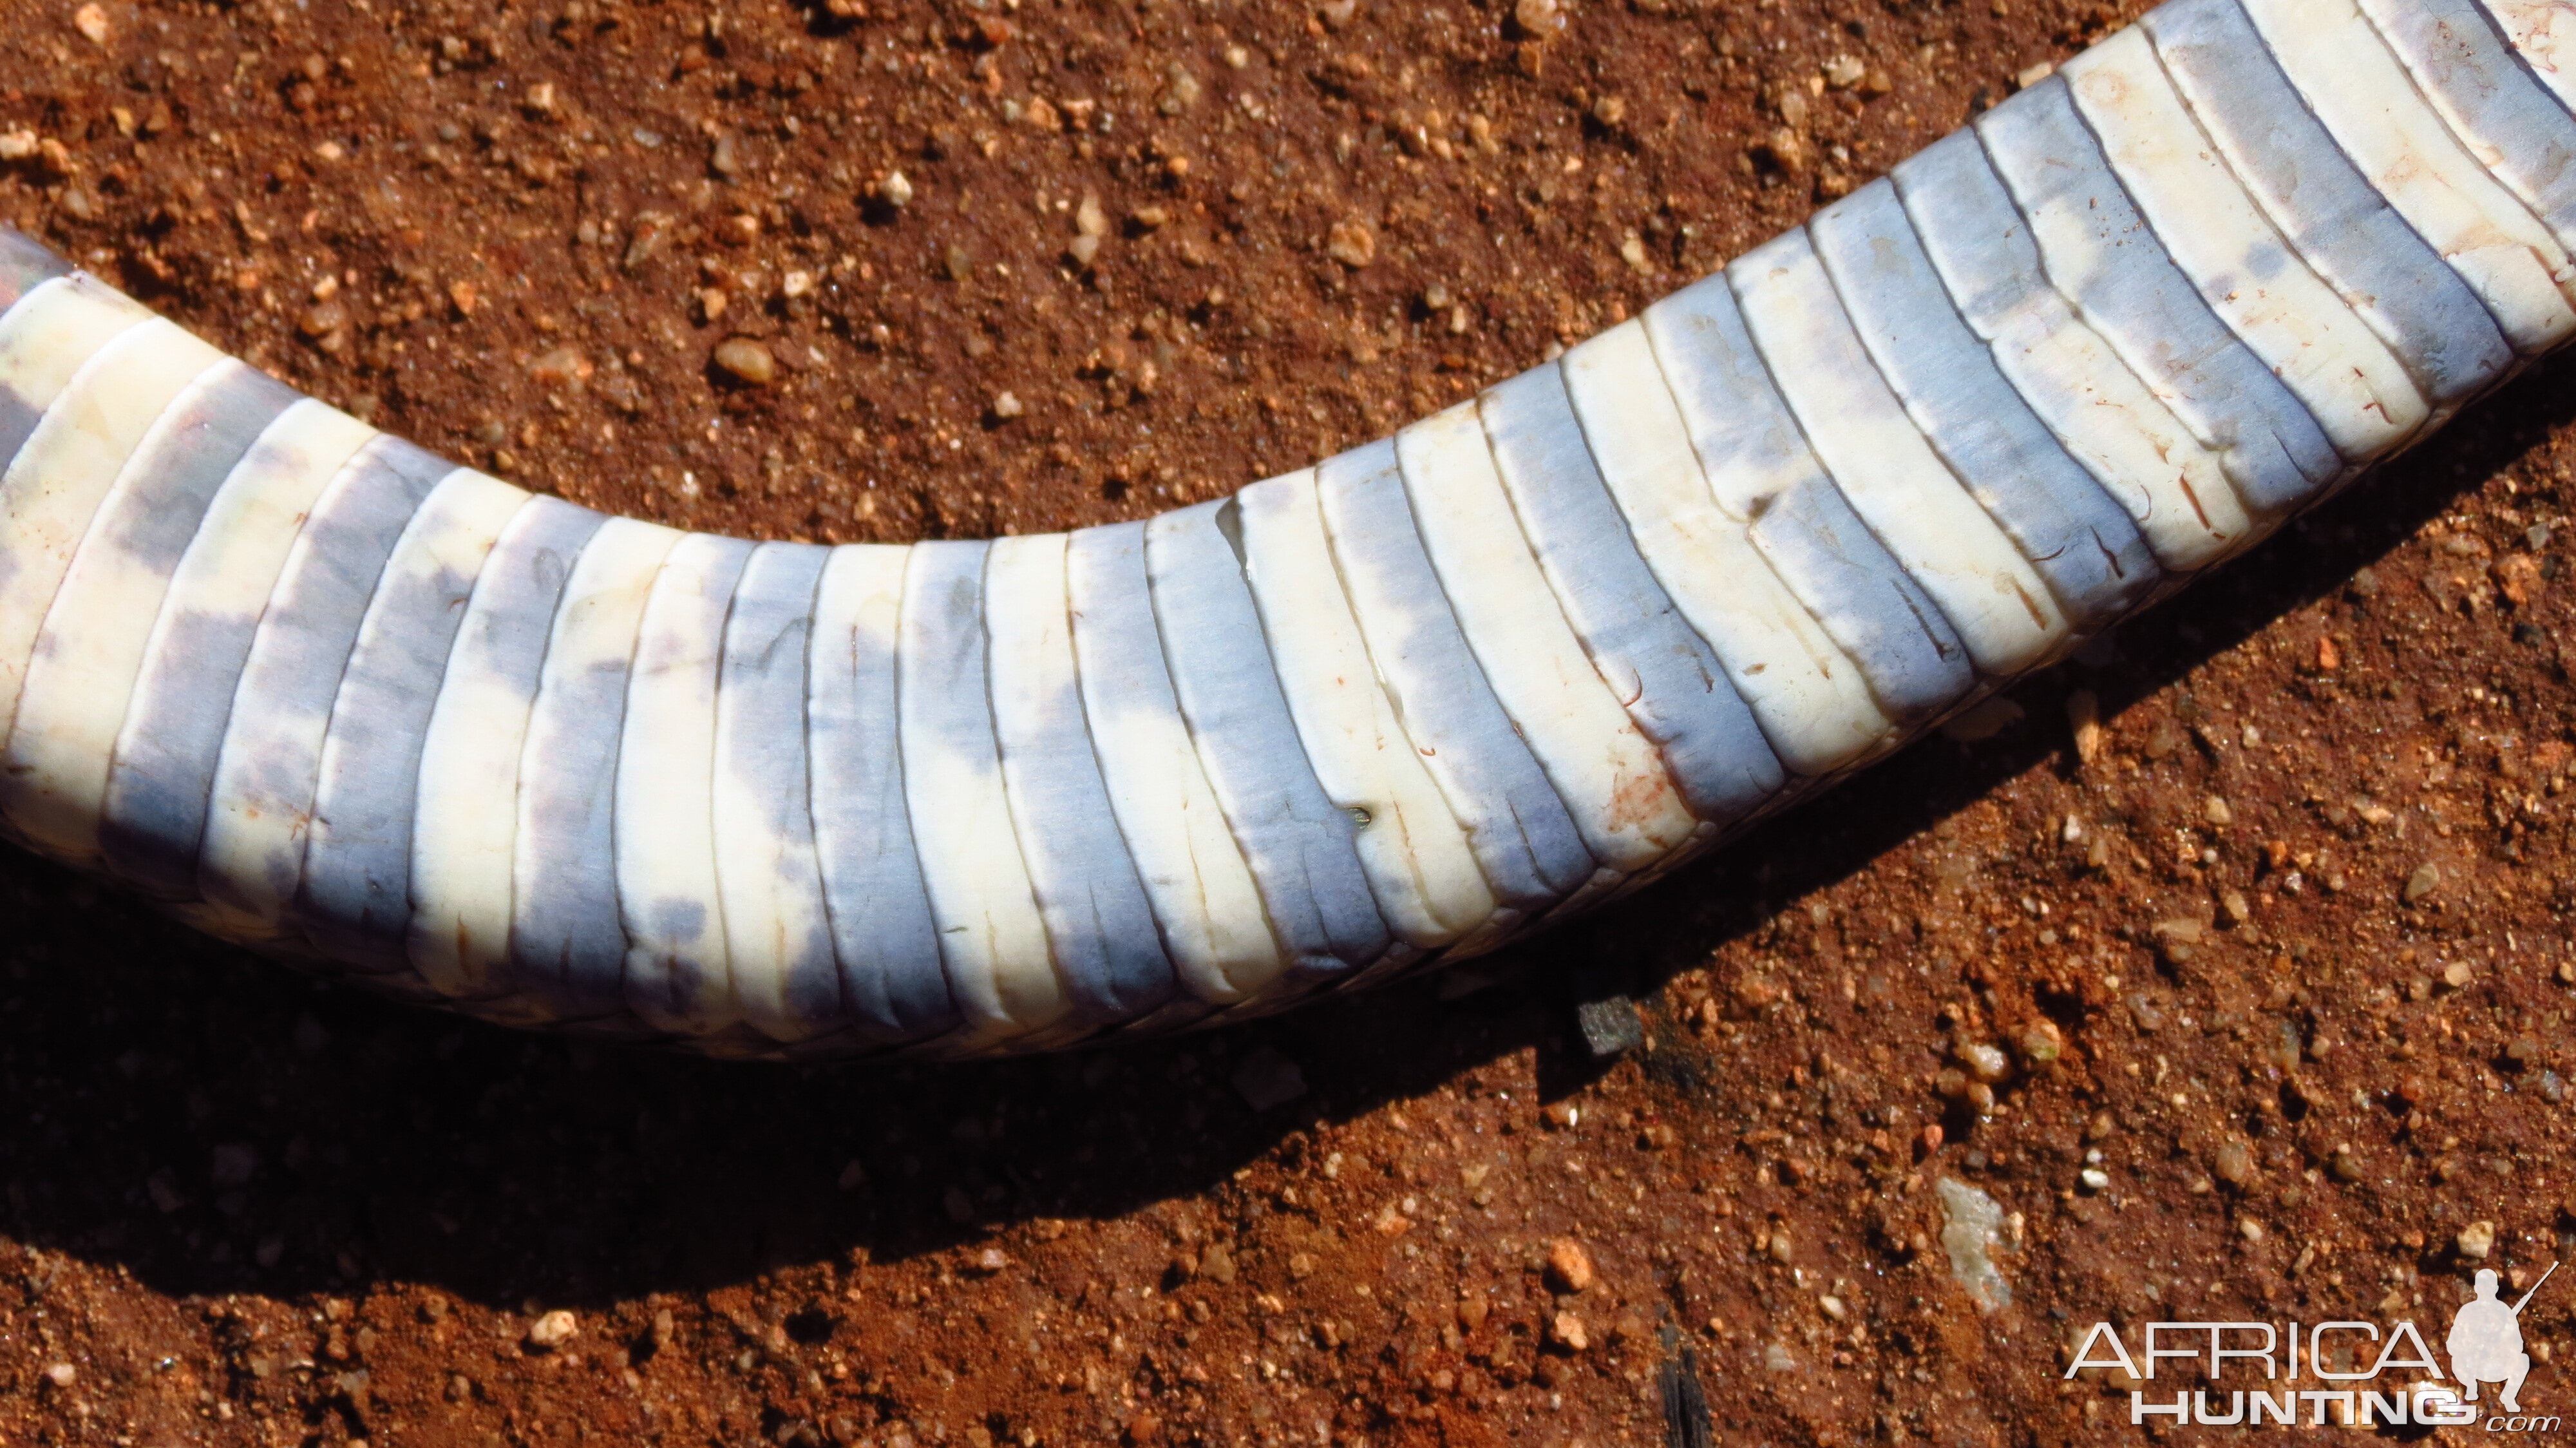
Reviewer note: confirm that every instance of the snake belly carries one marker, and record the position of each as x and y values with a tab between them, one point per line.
315	690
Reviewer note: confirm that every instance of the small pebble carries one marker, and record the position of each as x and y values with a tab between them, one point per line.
1566	1330
2041	1043
1008	406
1777	1359
1610	1027
62	1375
2250	1229
895	190
1784	151
1541	19
1971	1231
2457	974
234	1164
2426	879
1569	1265
2476	1240
2084	717
747	361
1352	243
2182	930
2095	1179
91	21
552	1330
560	367
2235	1165
1844	72
1267	1079
1987	1063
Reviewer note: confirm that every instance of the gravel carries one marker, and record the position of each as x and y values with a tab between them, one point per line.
747	361
552	1330
2476	1240
1569	1265
1971	1233
1267	1079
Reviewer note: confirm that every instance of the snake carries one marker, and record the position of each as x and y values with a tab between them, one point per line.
310	688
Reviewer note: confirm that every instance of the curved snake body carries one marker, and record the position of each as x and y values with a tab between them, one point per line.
315	690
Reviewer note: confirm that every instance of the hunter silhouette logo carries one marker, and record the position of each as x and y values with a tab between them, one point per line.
2486	1342
2354	1367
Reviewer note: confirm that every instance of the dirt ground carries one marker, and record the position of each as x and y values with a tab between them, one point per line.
2248	1001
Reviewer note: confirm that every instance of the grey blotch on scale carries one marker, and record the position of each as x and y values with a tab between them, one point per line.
763	767
2047	158
1668	677
97	638
886	944
270	761
1099	924
1300	846
1523	838
214	430
355	901
2455	52
2333	216
991	938
1206	900
567	935
1741	427
679	973
2078	539
153	817
20	415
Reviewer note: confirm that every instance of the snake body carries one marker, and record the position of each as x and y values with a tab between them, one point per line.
312	689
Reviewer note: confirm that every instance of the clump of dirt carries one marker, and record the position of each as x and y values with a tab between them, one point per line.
2233	971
